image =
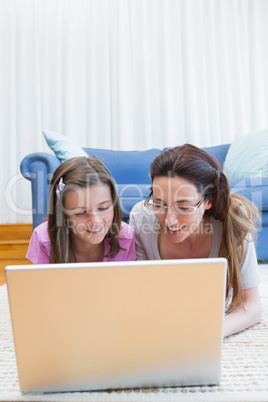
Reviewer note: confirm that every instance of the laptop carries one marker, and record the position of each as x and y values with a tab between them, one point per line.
97	326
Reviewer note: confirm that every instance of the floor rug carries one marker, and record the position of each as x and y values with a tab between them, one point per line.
244	376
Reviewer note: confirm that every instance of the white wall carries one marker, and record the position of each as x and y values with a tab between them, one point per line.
127	74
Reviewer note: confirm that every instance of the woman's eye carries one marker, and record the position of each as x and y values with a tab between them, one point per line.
80	213
183	209
159	206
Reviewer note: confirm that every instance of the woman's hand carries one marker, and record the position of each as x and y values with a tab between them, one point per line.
242	318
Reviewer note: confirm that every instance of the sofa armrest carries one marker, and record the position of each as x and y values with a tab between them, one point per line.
44	161
38	168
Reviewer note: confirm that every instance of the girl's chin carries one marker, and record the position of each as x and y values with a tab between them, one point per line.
94	240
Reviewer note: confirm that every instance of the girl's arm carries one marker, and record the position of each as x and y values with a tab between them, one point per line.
240	318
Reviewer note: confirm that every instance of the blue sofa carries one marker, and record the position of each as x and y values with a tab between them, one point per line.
130	170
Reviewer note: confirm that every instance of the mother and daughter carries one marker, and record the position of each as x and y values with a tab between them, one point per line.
190	213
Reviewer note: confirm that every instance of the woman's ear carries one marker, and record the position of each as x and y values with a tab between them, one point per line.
208	203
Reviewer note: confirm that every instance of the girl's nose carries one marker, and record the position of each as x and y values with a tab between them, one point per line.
93	218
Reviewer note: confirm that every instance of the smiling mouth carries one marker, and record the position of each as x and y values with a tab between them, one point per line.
95	231
174	231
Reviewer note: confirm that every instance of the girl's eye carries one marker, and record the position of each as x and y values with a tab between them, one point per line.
80	213
105	209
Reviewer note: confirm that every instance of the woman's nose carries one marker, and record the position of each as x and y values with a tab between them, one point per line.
171	217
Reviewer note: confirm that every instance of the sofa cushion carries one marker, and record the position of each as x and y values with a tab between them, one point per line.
63	147
247	156
254	188
218	152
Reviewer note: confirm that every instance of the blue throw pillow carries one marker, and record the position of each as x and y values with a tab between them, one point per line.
63	147
247	156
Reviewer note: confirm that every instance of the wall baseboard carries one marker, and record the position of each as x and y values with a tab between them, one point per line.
14	241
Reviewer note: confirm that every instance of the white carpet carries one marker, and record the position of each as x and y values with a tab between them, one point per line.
244	378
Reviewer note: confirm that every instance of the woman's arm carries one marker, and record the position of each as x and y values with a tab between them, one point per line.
240	318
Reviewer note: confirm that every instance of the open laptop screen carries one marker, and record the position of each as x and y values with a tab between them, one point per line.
117	325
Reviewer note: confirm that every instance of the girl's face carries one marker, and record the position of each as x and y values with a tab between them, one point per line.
181	221
90	213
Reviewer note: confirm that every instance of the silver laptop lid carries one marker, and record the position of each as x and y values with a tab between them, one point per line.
117	325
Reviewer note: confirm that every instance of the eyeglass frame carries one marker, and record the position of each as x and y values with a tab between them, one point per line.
166	207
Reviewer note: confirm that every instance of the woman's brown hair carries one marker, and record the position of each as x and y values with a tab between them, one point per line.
75	173
237	214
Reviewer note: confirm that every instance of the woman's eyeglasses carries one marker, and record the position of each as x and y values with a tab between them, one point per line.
176	208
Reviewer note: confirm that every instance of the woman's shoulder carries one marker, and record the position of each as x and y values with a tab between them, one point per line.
140	214
216	224
137	209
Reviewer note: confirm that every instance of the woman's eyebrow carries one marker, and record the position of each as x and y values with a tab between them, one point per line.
158	199
181	201
175	202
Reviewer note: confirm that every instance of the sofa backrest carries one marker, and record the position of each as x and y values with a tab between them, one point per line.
130	170
126	167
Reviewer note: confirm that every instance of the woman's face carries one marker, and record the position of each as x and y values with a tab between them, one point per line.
181	221
90	213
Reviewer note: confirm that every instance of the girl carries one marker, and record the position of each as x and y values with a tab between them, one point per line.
84	218
191	213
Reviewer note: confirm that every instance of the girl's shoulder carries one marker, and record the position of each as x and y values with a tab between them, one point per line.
39	247
42	232
126	232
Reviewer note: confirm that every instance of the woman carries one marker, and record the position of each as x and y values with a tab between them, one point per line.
84	218
191	213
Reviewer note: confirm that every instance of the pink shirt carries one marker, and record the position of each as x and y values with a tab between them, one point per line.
39	247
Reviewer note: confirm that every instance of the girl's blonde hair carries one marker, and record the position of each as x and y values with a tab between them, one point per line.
238	215
75	173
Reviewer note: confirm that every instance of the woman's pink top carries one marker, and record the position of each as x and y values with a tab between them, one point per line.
39	247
